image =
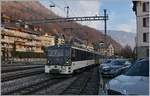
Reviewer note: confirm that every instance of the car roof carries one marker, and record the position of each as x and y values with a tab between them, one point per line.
143	59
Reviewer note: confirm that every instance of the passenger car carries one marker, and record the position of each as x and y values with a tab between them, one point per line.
133	82
66	59
115	67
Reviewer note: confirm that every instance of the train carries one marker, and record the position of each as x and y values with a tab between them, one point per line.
66	59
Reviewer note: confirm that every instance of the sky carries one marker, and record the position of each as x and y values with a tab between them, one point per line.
121	15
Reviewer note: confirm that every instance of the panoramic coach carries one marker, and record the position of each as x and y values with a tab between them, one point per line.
65	59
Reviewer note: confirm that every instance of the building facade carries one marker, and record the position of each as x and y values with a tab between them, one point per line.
107	50
110	50
141	9
47	40
23	39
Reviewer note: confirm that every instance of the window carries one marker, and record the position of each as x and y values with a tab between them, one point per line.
140	68
147	52
145	37
146	7
146	22
2	37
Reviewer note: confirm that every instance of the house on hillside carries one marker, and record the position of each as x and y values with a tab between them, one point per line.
107	50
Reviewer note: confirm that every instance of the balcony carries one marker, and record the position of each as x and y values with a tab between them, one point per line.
7	40
21	49
38	44
38	51
30	43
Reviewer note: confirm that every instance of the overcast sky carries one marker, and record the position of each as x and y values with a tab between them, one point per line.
121	16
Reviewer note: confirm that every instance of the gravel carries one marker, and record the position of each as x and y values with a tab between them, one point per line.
5	75
16	68
22	82
57	88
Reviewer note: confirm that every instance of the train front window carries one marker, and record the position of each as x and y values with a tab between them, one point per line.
55	53
58	56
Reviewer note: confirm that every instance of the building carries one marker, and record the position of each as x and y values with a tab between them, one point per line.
107	50
110	50
19	40
141	9
47	40
22	40
59	39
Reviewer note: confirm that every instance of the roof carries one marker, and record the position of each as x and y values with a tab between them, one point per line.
14	26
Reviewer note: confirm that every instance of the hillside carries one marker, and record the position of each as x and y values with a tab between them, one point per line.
35	10
123	38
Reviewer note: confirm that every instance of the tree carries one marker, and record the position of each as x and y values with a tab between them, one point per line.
127	52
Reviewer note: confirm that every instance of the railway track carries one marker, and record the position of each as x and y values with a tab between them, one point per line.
21	64
17	68
92	87
34	87
12	85
30	83
77	87
19	74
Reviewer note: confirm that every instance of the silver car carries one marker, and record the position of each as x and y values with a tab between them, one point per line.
133	82
115	67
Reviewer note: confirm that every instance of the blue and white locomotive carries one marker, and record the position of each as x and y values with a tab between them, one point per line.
65	59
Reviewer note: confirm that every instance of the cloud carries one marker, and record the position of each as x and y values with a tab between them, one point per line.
92	8
128	27
89	7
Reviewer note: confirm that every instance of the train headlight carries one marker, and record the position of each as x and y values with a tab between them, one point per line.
63	68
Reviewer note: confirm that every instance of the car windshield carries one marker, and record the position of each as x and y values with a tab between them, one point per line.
117	62
140	68
107	61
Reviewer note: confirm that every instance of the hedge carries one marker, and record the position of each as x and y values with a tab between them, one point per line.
29	55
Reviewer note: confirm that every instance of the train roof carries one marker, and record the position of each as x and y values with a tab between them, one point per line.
74	47
85	49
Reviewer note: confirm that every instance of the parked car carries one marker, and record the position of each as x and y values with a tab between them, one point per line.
107	61
115	67
133	82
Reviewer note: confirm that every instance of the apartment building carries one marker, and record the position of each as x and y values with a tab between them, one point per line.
47	40
23	38
14	39
141	9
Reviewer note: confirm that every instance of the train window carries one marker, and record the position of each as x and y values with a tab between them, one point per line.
79	55
67	52
73	54
55	52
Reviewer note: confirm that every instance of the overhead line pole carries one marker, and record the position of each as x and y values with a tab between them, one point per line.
105	25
